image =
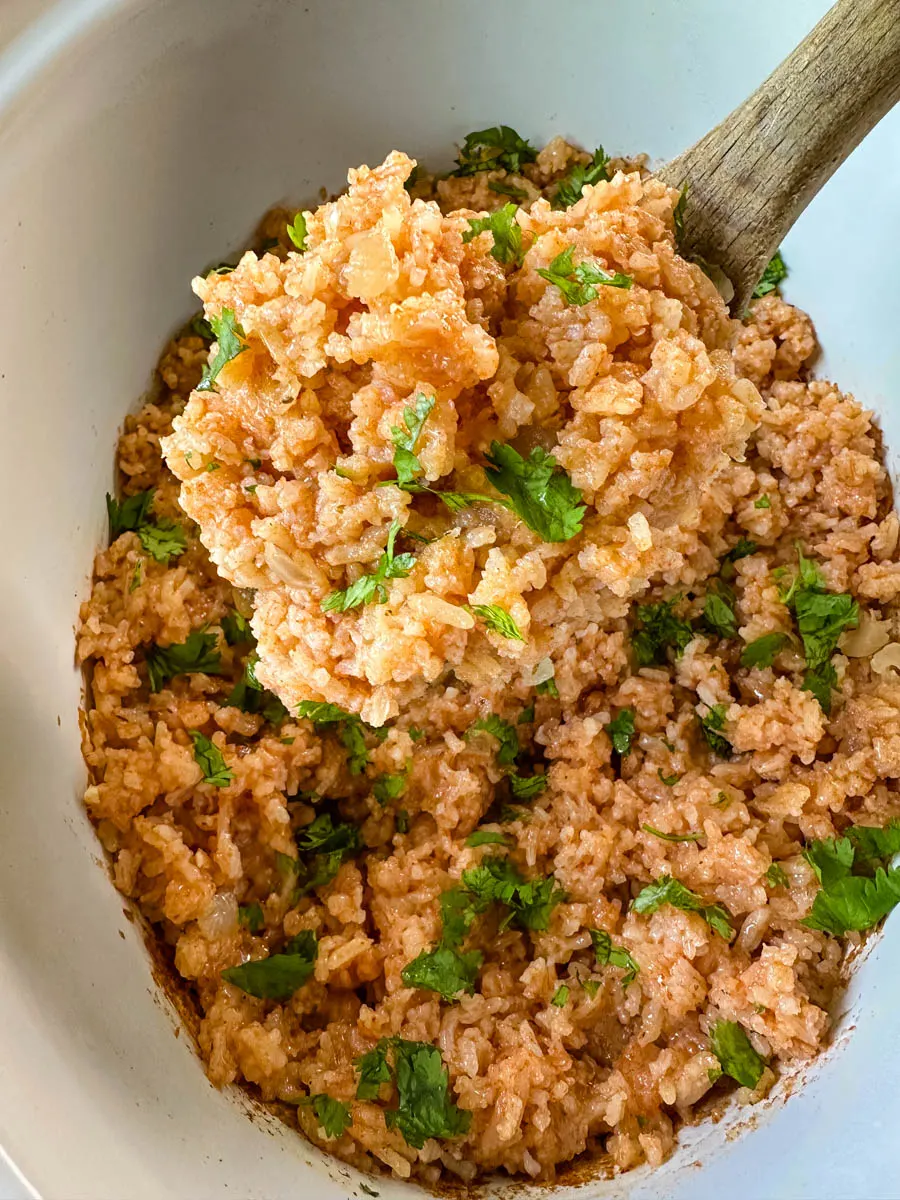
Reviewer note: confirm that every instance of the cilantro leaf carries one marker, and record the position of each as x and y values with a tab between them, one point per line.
389	787
507	189
249	695
526	716
821	619
667	890
406	464
608	954
621	731
323	836
230	337
486	837
296	231
820	682
459	908
251	917
280	975
236	629
568	190
210	759
323	847
505	231
736	1056
579	284
776	877
503	732
659	630
560	997
333	1116
373	1071
530	901
762	651
163	540
350	730
672	837
197	654
872	842
201	328
128	514
443	970
498	620
526	787
718	613
853	901
711	724
775	272
547	688
425	1109
762	502
372	587
539	491
494	148
668	780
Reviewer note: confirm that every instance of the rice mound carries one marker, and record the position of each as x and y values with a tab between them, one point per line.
675	421
636	394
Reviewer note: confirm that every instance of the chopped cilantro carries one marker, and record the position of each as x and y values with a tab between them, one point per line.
498	620
372	587
762	651
201	328
389	787
659	630
280	975
503	732
486	837
249	695
425	1109
350	730
236	629
416	734
251	917
296	231
507	189
213	466
711	724
621	731
403	821
762	502
508	814
560	997
526	716
210	759
163	540
821	618
404	437
197	654
820	682
667	890
547	688
323	847
773	275
539	491
230	337
579	284
493	149
526	787
444	970
775	876
718	613
505	231
668	780
530	902
743	548
568	190
736	1056
672	837
373	1071
334	1117
608	954
129	514
851	896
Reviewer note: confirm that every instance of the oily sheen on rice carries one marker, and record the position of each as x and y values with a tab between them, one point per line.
685	431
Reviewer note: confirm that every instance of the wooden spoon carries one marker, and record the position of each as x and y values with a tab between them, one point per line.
751	177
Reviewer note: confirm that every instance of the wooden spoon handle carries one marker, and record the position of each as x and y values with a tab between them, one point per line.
751	177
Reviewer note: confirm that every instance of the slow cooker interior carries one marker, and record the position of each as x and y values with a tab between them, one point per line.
138	142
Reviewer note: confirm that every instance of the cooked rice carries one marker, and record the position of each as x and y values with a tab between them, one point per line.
673	420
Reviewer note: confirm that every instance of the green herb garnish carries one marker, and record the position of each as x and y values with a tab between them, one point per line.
711	724
498	620
296	231
736	1056
539	491
857	889
486	837
568	190
128	514
444	970
210	759
718	613
230	337
334	1117
503	732
530	902
773	275
249	695
762	502
560	996
350	730
505	231
579	284
236	629
672	837
250	917
667	890
372	587
659	631
668	780
776	877
389	787
197	654
621	731
608	954
280	975
526	787
491	149
762	651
